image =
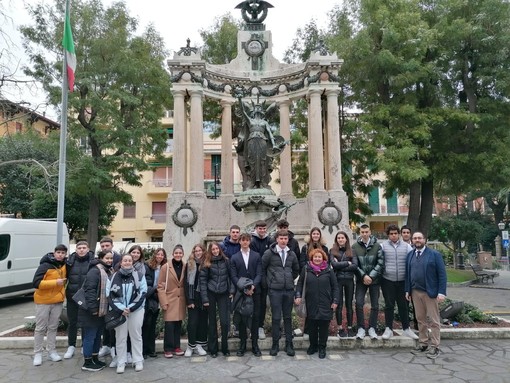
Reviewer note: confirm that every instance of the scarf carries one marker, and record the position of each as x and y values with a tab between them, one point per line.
122	277
318	268
193	265
103	300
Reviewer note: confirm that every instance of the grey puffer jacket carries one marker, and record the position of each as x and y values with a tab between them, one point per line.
276	275
395	256
216	278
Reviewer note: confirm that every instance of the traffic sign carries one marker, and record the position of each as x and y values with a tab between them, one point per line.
506	243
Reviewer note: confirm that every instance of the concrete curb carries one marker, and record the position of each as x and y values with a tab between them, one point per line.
300	344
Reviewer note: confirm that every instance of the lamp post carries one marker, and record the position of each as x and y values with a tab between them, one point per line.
504	237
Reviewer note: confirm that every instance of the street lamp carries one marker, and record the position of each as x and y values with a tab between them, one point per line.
504	237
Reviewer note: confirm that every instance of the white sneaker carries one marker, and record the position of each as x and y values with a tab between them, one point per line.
388	333
138	366
38	359
113	364
361	333
54	357
200	350
410	334
70	352
306	336
262	334
371	333
129	358
120	368
188	352
105	350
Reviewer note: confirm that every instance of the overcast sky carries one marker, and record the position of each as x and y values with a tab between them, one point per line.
177	20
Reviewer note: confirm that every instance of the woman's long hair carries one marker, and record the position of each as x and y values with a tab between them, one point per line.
208	254
191	260
153	264
335	249
314	245
139	248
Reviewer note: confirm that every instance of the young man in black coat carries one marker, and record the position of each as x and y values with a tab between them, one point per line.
247	263
280	266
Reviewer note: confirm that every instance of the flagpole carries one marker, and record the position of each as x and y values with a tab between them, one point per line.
63	145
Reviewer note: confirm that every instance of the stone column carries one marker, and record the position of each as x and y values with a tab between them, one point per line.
196	142
179	152
227	177
334	171
285	157
315	149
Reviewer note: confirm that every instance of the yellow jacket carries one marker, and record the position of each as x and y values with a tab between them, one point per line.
45	281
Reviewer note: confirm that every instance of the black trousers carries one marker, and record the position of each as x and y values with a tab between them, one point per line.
149	332
218	303
263	307
198	318
251	322
361	290
172	335
346	286
395	292
318	332
72	317
281	305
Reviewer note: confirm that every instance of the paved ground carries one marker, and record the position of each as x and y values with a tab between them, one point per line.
461	361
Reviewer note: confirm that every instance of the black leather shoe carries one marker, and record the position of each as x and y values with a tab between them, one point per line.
255	349
153	355
226	353
311	350
214	355
274	349
289	349
240	353
322	353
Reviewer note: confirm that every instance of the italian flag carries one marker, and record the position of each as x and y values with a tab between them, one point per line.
68	44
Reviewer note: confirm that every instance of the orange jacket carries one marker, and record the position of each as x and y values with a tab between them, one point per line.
45	281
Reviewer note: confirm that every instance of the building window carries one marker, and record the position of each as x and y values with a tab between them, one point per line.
159	212
162	177
169	140
373	200
130	210
19	127
392	203
128	239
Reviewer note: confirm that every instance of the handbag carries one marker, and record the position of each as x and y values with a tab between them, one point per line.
301	308
79	297
113	319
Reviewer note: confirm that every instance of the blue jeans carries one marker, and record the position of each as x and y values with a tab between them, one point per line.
91	340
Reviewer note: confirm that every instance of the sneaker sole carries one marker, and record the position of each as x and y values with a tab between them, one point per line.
91	369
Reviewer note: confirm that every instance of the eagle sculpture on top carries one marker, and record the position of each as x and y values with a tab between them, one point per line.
254	11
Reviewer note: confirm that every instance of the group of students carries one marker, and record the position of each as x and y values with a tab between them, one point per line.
231	278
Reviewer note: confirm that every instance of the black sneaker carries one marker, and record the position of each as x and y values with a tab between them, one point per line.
342	333
89	365
420	350
433	353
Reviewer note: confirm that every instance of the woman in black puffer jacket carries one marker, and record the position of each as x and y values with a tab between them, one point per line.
92	320
216	290
345	263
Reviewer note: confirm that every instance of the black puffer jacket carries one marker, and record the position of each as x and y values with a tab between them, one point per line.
92	287
370	259
216	278
260	245
77	268
152	291
275	275
340	264
321	292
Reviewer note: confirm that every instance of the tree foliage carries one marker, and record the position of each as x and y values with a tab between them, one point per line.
122	89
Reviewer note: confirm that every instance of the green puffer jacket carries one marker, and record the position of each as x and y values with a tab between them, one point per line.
370	259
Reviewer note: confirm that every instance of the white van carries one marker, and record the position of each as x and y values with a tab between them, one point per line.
23	242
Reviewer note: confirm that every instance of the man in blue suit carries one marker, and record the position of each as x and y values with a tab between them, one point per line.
247	263
425	285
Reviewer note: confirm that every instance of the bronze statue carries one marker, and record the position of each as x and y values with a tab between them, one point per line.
257	146
250	10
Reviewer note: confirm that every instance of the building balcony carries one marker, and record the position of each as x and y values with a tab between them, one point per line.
159	186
